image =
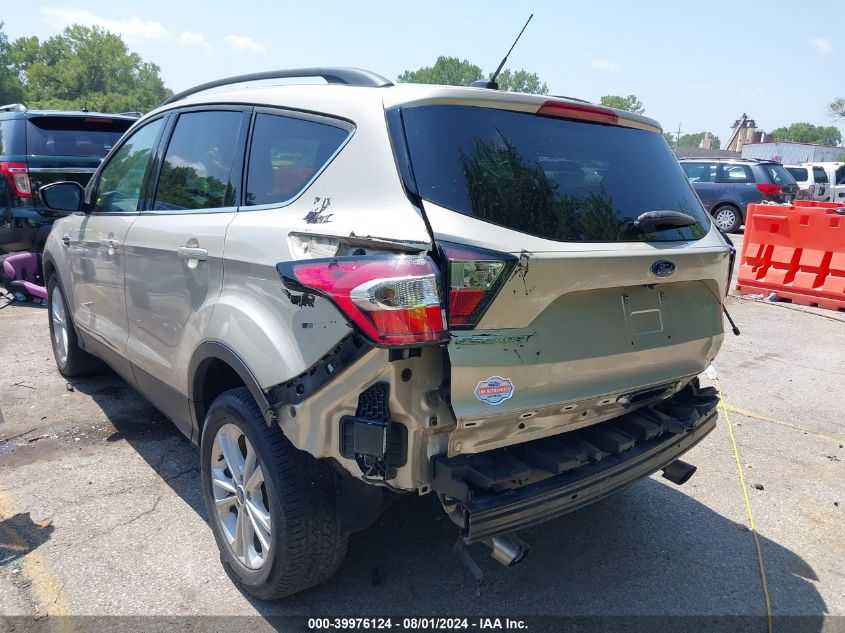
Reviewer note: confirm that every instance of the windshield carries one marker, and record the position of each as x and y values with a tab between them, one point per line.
557	179
73	136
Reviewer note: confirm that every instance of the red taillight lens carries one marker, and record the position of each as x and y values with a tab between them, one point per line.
768	189
579	111
18	176
393	300
475	276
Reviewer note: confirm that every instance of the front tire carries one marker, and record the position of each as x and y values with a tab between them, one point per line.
71	360
728	218
272	508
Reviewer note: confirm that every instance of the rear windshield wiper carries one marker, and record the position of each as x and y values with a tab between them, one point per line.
652	221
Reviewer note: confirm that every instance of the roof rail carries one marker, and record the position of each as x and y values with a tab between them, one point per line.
723	158
133	113
347	76
13	107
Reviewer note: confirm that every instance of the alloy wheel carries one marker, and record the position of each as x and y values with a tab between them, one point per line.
58	318
240	497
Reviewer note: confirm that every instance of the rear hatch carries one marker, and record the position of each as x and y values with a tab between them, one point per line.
781	186
567	306
68	147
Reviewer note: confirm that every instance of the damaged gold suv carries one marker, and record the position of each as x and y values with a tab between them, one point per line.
349	291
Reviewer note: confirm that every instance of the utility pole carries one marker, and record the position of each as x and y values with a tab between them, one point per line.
678	136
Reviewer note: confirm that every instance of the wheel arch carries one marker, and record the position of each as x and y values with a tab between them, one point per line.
215	368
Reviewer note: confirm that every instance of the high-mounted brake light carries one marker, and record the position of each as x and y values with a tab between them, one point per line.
393	299
475	277
18	176
769	190
579	111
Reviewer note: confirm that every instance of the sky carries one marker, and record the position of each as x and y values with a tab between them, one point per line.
694	65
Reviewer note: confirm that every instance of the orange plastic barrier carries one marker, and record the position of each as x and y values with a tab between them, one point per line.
797	252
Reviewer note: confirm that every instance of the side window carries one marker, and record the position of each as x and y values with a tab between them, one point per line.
799	173
197	169
840	176
736	174
126	174
819	175
286	154
700	172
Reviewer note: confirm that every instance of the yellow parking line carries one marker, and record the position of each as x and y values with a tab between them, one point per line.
47	590
751	523
757	416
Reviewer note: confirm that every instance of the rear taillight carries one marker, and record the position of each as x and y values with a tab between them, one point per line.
18	176
474	277
393	299
769	189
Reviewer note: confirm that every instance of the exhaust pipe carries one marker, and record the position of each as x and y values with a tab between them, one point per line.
508	549
679	472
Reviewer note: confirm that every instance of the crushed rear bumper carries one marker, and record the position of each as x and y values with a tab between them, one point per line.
515	487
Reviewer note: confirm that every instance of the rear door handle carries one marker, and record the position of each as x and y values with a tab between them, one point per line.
193	252
110	243
66	240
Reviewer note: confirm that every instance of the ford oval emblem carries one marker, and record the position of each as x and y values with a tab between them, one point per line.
662	268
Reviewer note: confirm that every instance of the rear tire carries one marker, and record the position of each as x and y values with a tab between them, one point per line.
296	500
71	360
728	218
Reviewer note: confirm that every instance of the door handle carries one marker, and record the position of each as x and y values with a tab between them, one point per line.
66	240
193	253
110	243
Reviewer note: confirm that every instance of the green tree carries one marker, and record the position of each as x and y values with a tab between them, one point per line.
11	87
629	103
808	133
521	81
448	71
670	138
85	67
694	140
837	108
451	71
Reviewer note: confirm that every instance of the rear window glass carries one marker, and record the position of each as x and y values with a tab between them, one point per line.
799	173
285	155
819	175
557	179
777	174
73	136
736	173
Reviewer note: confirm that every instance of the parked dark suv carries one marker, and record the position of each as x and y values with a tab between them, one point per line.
727	186
38	147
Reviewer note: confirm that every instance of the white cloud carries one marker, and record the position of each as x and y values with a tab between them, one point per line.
823	45
604	64
245	43
194	39
133	28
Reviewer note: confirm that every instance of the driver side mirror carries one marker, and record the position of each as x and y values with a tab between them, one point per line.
63	196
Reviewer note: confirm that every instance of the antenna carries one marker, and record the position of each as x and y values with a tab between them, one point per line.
491	83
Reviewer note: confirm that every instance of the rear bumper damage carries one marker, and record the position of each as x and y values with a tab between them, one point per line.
511	488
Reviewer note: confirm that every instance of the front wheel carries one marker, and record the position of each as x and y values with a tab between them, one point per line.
71	360
272	508
727	218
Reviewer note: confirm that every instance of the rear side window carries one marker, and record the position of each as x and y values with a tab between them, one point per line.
553	178
800	173
73	136
736	174
700	172
12	138
285	156
819	175
840	175
197	168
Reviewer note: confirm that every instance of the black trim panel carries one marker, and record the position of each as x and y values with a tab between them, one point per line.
166	399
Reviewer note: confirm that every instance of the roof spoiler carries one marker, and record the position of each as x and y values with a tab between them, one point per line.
344	76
